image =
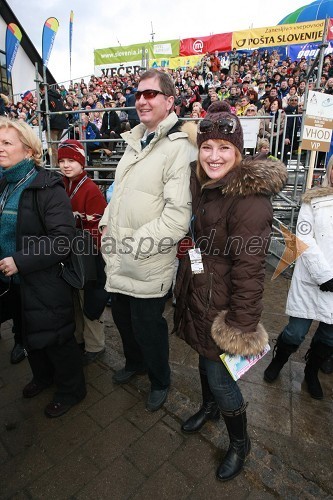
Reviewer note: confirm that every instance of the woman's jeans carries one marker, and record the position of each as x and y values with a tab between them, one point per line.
297	328
226	391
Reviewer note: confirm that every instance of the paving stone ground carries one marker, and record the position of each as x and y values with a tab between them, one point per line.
110	447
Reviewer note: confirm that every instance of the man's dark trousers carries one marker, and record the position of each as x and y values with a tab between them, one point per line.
144	333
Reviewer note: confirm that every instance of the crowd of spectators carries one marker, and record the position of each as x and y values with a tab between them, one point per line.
260	83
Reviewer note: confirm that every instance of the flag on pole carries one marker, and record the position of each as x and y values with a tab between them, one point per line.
71	19
49	32
13	40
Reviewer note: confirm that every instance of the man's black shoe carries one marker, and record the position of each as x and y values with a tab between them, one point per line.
156	399
18	354
123	376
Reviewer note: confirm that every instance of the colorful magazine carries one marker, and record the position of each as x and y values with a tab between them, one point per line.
238	365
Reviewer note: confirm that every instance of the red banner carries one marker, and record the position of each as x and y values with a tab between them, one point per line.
204	44
330	29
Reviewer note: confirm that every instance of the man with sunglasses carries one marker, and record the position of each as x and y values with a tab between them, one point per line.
148	214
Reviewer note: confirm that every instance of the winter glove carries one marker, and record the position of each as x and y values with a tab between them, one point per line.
327	286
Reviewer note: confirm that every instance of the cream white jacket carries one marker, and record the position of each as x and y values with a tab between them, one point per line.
315	265
149	211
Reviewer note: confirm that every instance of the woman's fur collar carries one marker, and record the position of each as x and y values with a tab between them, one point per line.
256	176
190	128
317	192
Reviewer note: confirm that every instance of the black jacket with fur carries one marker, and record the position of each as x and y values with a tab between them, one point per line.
219	310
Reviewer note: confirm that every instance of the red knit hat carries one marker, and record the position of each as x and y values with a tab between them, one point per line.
73	150
220	123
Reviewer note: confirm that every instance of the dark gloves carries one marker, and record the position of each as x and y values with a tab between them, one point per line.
327	286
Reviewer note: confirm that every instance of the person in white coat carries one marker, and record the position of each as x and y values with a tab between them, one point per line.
311	292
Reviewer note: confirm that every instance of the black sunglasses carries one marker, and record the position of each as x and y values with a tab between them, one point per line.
225	125
148	94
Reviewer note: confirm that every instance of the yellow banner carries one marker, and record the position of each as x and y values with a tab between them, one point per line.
283	34
175	62
184	62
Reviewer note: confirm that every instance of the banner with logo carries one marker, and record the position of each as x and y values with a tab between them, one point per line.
71	20
309	50
13	40
184	62
204	44
49	32
283	34
134	67
318	123
131	53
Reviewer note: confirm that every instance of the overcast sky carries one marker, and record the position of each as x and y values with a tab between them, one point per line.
103	24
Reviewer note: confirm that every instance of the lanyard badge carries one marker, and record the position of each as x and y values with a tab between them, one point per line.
196	261
195	253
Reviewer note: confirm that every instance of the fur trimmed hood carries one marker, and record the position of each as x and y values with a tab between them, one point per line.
317	192
233	341
190	128
256	176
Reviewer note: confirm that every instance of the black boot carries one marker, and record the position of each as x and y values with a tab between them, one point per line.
281	354
208	411
327	365
239	446
316	355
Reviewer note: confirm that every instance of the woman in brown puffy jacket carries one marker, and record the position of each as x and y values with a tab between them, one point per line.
219	300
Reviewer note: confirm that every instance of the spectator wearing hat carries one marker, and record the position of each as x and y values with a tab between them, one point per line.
223	92
268	87
217	310
88	205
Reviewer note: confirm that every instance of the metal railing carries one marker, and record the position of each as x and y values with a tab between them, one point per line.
285	204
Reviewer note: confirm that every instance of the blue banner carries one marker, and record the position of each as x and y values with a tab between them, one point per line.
71	19
308	50
49	32
13	40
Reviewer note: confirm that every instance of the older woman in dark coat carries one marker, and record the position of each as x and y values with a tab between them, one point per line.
218	307
36	231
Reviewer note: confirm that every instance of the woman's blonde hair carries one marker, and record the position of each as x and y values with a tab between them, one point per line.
202	177
27	136
263	143
327	179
